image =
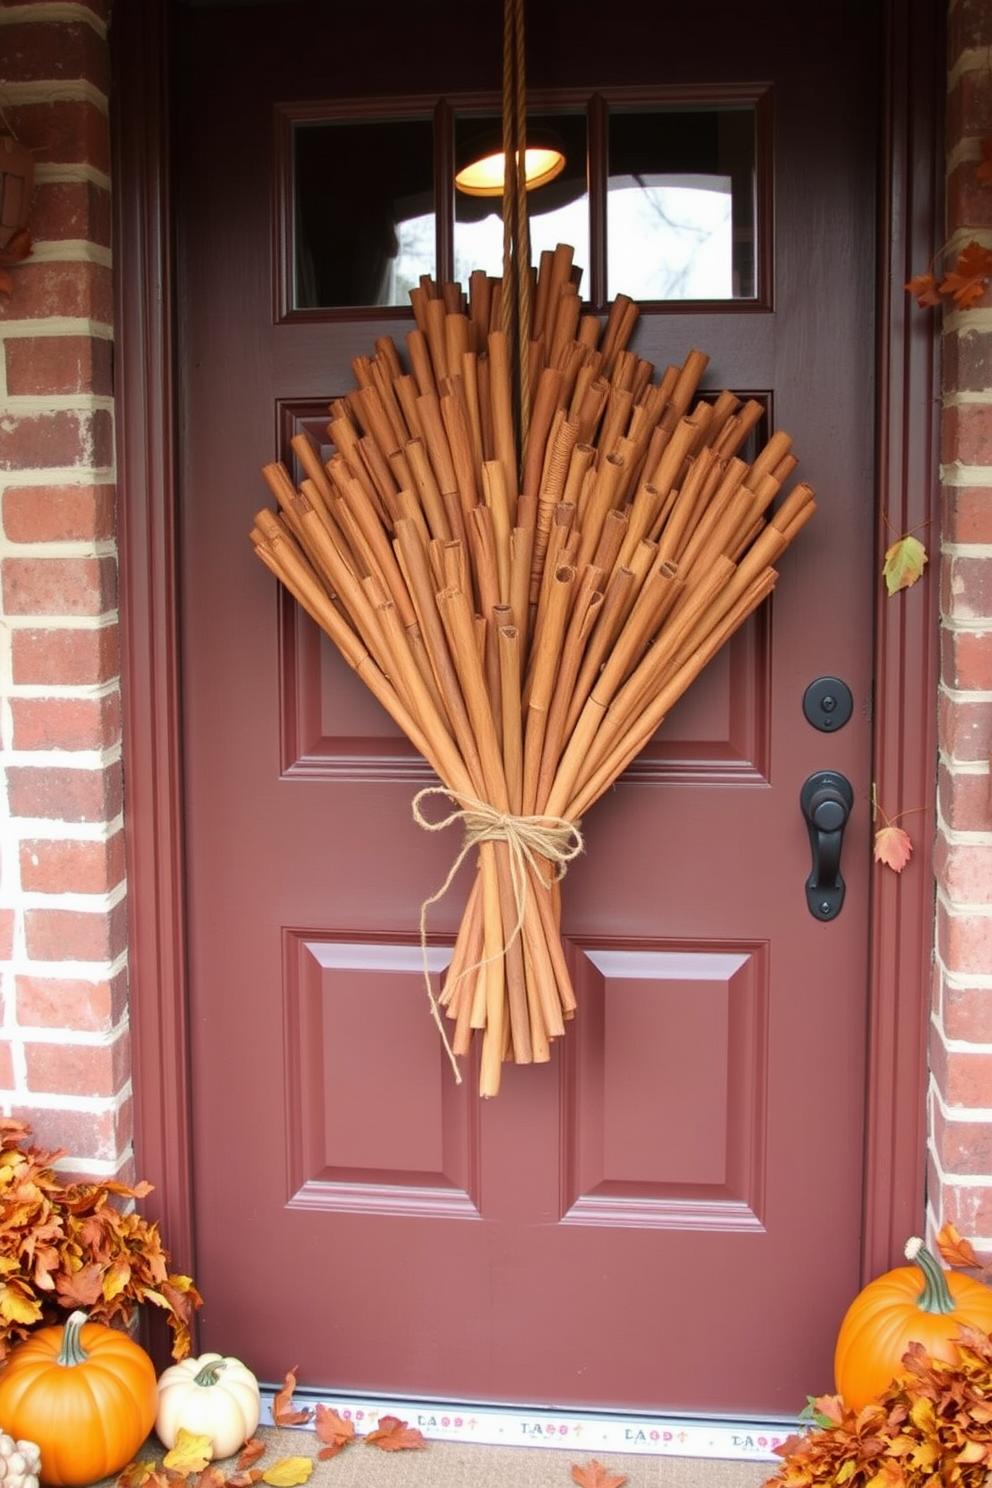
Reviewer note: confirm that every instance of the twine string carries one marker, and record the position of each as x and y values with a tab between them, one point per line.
532	842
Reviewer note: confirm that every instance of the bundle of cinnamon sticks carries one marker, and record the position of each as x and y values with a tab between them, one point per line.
527	618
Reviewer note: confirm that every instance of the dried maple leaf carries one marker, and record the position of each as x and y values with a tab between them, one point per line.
287	1471
284	1412
924	288
904	563
334	1431
966	282
244	1479
893	847
955	1250
191	1453
394	1435
594	1475
136	1474
210	1477
250	1453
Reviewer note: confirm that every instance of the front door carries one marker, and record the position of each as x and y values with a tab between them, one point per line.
666	1214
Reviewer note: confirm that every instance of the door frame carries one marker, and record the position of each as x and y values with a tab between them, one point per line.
906	635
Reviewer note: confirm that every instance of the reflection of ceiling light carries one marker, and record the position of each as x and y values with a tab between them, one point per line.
544	159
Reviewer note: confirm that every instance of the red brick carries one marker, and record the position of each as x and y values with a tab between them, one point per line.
965	799
968	1207
969	107
966	433
966	587
965	873
69	131
966	512
57	794
966	660
962	1147
71	209
56	657
964	729
82	291
6	1065
58	365
78	1006
969	202
33	514
66	437
968	28
963	1078
71	866
964	942
967	358
40	51
77	1069
66	723
966	1014
6	934
74	934
58	586
102	1136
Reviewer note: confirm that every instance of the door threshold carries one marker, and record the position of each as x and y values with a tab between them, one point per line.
740	1439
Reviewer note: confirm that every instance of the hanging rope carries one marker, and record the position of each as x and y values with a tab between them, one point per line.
516	300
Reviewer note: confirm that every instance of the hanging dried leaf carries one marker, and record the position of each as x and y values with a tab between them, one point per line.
967	281
904	563
893	847
955	1250
288	1471
595	1475
394	1435
924	288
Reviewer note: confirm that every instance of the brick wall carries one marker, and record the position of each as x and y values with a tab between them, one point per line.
960	1187
64	1053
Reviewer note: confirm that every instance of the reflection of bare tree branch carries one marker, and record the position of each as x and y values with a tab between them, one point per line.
677	276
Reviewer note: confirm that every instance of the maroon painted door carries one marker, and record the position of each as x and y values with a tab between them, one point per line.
668	1213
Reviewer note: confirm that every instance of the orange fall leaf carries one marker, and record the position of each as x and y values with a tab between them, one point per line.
394	1435
595	1475
284	1412
955	1250
893	847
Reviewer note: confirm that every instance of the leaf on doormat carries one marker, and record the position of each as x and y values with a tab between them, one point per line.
284	1412
137	1474
394	1435
246	1479
334	1431
210	1477
595	1475
250	1453
287	1471
893	847
955	1250
904	563
190	1454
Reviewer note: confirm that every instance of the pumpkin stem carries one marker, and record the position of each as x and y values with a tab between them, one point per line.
936	1295
208	1374
71	1351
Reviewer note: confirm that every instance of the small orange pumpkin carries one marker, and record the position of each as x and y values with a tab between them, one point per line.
86	1393
892	1312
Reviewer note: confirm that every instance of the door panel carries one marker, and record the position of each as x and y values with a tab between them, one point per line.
688	1165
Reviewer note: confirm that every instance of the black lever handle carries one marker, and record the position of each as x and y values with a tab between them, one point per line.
826	800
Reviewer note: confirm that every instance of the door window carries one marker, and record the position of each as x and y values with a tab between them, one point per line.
661	200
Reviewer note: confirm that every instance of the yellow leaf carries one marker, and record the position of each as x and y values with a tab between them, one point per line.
190	1454
15	1307
287	1471
904	563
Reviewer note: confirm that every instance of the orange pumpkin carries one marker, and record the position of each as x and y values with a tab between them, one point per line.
86	1393
893	1311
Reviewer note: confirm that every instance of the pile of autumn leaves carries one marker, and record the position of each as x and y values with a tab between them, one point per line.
932	1428
67	1245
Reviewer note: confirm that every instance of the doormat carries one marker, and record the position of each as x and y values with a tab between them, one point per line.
576	1430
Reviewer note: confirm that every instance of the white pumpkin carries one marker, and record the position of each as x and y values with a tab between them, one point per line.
213	1396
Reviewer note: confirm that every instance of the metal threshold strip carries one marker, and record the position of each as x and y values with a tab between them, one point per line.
734	1439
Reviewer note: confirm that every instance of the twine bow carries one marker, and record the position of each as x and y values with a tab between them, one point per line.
532	842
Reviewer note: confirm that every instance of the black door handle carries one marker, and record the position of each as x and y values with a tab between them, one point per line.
826	800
